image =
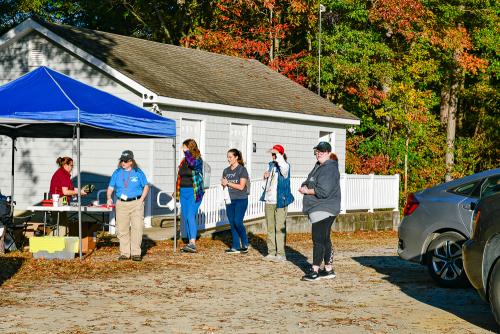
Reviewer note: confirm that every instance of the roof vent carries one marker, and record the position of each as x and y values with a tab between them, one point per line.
36	57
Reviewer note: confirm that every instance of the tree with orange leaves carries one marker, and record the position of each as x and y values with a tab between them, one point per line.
271	31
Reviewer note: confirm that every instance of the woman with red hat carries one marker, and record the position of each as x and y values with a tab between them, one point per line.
277	195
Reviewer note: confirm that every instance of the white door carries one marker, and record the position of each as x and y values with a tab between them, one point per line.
239	138
329	137
192	128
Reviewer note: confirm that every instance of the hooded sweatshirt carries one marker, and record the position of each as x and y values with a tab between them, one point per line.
325	180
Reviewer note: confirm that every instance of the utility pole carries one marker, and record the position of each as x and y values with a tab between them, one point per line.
321	10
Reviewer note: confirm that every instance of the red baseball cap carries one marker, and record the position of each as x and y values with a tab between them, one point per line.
279	148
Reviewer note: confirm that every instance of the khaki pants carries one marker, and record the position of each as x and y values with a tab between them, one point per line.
276	229
130	226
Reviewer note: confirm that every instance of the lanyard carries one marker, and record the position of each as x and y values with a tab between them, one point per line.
125	183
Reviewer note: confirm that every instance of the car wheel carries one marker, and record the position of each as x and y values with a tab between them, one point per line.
444	260
494	291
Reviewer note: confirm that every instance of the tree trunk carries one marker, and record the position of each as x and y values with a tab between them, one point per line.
451	124
445	103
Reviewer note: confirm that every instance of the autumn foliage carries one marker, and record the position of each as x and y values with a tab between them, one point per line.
262	30
395	64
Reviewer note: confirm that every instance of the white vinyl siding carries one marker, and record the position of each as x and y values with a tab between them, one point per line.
297	138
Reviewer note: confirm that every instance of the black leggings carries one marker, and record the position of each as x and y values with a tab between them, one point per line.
322	243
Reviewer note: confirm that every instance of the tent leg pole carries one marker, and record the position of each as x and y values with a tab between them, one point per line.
174	146
14	148
79	187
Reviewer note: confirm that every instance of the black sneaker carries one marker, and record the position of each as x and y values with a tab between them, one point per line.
244	250
123	258
136	258
233	251
327	274
311	276
189	248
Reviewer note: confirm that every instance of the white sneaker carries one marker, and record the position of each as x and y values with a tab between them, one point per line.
280	258
269	257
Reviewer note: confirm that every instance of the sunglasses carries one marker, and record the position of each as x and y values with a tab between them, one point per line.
126	160
320	152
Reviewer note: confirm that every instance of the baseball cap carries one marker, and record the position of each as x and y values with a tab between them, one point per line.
127	155
323	146
279	148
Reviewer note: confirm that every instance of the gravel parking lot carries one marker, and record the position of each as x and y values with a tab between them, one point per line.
211	292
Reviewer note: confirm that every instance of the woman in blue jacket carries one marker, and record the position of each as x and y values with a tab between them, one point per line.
277	196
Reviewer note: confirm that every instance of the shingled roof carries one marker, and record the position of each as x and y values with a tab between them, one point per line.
196	75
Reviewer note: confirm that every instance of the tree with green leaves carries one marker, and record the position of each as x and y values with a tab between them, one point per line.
422	75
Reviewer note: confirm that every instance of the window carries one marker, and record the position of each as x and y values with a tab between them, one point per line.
466	189
192	128
491	186
329	137
240	137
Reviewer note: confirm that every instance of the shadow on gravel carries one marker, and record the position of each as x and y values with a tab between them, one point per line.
9	267
414	281
293	256
259	244
147	244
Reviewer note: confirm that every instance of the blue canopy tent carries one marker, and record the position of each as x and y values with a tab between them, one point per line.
48	104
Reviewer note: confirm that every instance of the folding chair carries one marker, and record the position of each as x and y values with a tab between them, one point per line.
15	230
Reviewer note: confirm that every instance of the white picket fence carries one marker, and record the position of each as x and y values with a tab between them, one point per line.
359	192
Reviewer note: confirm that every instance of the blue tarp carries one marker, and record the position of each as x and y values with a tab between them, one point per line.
46	103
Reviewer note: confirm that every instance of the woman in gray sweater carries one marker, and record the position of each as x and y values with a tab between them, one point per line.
321	203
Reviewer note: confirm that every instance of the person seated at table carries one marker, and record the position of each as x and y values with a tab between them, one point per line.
61	185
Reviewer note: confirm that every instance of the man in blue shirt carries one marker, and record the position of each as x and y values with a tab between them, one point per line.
131	188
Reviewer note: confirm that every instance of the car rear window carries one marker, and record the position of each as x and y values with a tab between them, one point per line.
466	189
491	186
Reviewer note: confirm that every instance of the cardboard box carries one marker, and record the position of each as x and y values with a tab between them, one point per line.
88	244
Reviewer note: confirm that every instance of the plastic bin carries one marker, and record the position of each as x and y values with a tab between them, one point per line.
63	248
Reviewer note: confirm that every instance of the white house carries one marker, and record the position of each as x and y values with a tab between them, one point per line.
221	101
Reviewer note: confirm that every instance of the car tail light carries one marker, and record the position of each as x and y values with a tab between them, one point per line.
411	204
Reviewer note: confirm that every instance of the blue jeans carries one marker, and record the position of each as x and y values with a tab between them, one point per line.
235	213
189	209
